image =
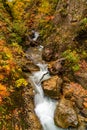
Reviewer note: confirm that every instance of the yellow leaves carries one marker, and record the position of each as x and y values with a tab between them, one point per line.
17	7
7	69
17	49
45	7
21	82
5	52
5	58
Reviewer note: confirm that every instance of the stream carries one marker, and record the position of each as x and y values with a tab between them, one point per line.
44	106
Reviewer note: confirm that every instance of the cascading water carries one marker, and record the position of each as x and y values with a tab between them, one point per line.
44	106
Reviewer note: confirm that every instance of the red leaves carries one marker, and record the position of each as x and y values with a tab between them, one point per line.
48	18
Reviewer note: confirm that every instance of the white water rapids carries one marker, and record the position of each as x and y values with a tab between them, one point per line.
44	106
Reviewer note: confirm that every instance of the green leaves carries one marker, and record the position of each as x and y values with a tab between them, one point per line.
72	59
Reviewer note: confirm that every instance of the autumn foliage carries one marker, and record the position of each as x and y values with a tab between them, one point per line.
11	78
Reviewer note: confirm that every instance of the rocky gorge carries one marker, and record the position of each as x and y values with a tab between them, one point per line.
70	111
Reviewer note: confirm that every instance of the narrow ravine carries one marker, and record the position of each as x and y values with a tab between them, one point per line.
44	106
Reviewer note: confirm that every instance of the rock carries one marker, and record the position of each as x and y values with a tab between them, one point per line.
32	38
82	78
84	112
47	53
76	93
55	67
81	75
65	114
30	67
50	52
82	126
52	87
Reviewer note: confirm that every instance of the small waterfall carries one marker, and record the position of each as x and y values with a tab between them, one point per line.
44	106
36	35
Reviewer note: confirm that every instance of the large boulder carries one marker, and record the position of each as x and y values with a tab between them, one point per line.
65	114
52	87
78	95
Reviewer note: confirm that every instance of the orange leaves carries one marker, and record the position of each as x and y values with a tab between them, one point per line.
78	89
2	42
7	69
5	56
83	64
85	104
1	76
3	92
48	18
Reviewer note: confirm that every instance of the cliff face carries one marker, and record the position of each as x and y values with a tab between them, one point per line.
69	39
67	20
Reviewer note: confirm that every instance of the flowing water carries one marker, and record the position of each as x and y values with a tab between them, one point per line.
44	106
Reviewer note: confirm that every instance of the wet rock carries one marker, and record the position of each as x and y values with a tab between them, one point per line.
34	54
30	67
65	114
32	38
52	87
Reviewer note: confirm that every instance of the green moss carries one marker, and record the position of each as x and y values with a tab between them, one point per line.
5	56
14	37
72	56
19	27
82	27
84	54
76	67
83	22
72	59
